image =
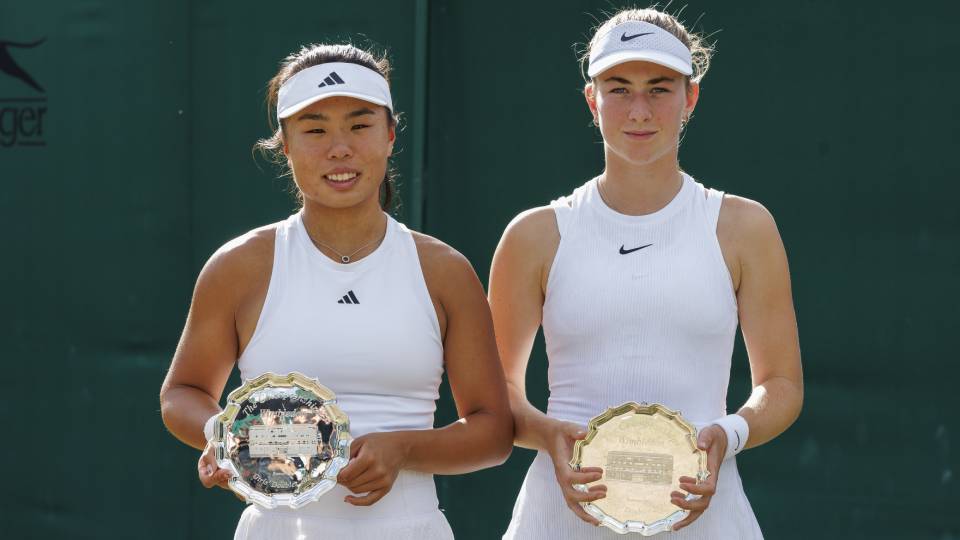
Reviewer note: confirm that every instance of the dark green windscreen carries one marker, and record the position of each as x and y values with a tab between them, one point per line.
125	157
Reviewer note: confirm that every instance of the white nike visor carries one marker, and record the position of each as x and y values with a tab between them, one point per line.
637	40
332	79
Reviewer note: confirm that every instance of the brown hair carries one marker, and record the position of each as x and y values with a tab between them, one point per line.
308	56
700	50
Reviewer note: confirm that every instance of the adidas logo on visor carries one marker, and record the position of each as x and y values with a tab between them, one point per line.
331	80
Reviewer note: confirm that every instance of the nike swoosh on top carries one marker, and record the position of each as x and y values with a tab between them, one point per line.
625	37
625	251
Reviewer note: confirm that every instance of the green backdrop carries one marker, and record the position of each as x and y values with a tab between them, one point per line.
129	162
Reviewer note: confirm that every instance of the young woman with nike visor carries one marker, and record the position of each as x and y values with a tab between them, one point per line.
342	292
640	278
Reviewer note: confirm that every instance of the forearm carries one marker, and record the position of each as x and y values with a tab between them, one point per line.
531	425
772	407
477	441
185	410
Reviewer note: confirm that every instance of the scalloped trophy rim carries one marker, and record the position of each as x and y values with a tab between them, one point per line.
341	450
650	409
294	377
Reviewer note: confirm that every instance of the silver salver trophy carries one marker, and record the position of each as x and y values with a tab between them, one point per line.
643	450
284	439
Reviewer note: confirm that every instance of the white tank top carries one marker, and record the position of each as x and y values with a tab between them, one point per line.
369	332
637	308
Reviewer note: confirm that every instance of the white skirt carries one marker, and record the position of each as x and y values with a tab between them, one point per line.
540	512
409	512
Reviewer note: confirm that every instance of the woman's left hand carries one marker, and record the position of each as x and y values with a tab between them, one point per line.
375	462
713	440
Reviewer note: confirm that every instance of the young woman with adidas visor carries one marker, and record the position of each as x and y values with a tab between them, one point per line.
639	279
342	292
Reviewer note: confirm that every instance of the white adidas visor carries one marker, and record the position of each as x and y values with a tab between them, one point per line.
332	79
637	40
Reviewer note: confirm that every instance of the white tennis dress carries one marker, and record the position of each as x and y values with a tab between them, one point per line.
637	308
369	332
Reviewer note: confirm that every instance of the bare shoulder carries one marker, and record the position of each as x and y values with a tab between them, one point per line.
252	244
450	278
746	222
439	261
527	248
749	239
533	227
243	260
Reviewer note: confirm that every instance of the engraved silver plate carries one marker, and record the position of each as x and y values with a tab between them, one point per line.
284	439
643	450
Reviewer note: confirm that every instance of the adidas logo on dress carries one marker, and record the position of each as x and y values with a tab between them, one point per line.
331	80
349	298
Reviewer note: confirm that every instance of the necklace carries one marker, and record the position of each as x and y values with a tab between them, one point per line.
346	258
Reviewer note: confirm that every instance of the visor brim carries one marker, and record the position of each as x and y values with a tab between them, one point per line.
656	57
299	106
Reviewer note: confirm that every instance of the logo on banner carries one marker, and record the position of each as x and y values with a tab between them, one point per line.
21	114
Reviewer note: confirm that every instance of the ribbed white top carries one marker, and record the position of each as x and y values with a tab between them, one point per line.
381	355
369	332
654	324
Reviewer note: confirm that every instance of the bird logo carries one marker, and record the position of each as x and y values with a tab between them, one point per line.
9	66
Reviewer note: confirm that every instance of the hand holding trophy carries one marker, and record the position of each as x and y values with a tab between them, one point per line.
713	440
282	438
647	452
209	471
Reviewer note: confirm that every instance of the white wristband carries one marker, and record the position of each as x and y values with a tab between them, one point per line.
208	427
737	431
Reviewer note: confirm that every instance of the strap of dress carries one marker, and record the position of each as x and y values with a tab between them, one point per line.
713	203
563	212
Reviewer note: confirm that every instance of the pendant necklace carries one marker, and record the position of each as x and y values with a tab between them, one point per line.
346	258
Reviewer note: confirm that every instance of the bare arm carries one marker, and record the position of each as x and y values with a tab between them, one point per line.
483	434
518	278
209	347
767	318
517	283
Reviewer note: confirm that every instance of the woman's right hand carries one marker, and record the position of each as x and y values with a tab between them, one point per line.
562	438
209	472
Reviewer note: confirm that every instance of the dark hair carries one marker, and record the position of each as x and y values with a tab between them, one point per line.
700	50
313	55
